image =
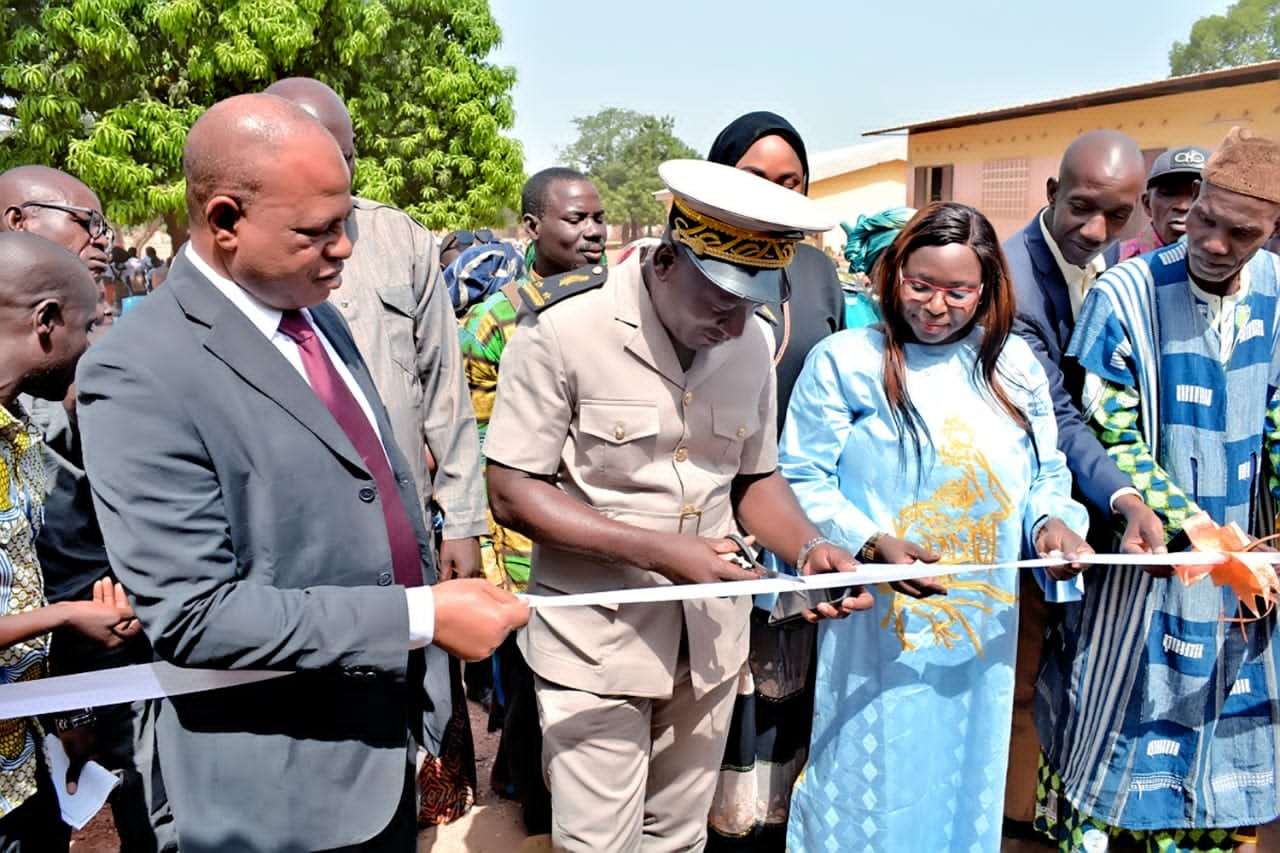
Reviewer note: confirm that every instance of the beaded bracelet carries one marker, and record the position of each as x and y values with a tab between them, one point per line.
806	548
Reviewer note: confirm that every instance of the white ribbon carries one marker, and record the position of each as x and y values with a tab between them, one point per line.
154	680
866	575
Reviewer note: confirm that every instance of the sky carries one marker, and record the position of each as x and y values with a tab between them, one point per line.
833	68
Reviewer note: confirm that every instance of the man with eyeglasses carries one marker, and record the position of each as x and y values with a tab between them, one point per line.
1053	261
58	207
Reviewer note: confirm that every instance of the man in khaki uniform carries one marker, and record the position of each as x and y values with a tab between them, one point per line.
634	428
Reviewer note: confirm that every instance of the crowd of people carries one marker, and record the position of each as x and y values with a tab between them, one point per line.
337	446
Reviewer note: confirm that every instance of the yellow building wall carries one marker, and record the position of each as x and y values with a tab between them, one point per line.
1188	118
868	190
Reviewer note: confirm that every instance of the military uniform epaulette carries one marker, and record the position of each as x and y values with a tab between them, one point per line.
538	295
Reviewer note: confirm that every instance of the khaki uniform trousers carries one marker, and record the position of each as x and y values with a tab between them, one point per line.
630	774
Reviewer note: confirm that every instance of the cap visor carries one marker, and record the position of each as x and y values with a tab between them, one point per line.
754	284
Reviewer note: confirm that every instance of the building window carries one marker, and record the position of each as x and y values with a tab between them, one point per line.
1004	187
932	183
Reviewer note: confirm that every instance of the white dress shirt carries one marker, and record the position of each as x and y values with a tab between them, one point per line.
1079	280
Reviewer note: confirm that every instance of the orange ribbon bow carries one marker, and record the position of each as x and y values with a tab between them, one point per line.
1249	579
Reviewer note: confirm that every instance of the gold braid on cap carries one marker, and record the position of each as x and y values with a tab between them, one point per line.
708	237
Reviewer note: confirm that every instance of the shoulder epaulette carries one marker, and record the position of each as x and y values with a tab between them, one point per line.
538	295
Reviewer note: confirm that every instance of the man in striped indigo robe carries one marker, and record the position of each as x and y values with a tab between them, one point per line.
1158	714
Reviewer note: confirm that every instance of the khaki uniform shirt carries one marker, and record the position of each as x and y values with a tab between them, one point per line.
591	391
395	302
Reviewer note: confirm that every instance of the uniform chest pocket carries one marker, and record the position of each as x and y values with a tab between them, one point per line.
732	426
617	436
399	303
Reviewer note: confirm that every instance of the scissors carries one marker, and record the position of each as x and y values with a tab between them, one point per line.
747	558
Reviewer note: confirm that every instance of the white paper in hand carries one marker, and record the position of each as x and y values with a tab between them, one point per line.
96	783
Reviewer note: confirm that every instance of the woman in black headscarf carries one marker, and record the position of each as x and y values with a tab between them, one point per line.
766	145
774	710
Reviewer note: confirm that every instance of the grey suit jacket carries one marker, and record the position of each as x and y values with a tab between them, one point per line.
249	535
1044	321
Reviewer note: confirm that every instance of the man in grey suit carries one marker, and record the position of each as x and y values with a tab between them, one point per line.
255	506
1052	261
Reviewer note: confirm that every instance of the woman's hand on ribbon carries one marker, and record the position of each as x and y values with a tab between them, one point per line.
1054	539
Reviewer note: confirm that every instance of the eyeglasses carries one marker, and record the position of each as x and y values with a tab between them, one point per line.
464	239
93	222
958	296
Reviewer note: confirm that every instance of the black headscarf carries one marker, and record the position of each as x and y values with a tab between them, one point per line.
745	131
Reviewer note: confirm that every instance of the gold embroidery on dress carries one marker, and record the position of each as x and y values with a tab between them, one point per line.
948	523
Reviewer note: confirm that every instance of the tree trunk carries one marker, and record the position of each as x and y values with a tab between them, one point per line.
178	232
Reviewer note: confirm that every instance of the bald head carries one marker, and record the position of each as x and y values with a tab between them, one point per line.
325	104
1101	153
48	302
33	268
269	197
1099	180
58	207
237	145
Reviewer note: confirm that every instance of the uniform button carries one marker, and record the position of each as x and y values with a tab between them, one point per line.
688	397
384	579
688	509
742	431
682	453
596	270
619	432
367	494
344	303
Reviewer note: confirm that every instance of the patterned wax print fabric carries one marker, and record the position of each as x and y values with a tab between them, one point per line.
484	332
22	489
1074	831
1154	709
914	698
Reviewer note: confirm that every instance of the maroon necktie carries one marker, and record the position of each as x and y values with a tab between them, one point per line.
325	380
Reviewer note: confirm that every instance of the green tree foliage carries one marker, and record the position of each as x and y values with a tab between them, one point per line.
1248	32
620	151
107	90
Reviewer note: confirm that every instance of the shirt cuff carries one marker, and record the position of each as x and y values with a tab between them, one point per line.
422	615
1119	493
465	528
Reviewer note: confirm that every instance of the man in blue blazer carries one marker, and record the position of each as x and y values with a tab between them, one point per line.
1052	261
256	507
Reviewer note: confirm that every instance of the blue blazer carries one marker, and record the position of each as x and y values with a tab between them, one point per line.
1044	321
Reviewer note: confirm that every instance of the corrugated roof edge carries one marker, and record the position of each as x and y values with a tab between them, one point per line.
1259	72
